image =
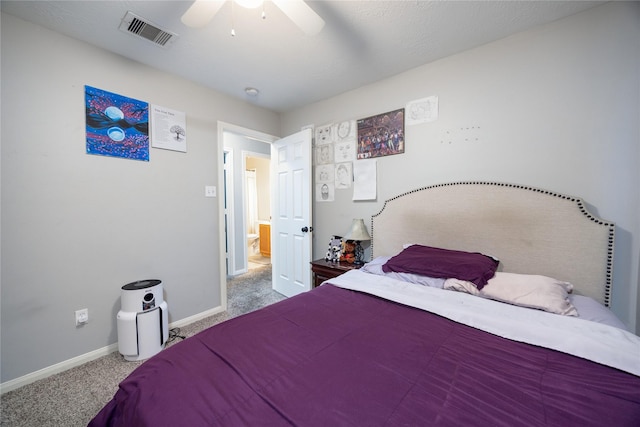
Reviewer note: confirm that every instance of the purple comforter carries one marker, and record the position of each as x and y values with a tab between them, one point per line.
333	357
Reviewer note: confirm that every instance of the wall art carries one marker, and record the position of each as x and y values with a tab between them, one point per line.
423	110
324	134
344	175
381	135
116	125
168	129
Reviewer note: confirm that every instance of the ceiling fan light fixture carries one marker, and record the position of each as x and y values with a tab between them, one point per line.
249	4
304	17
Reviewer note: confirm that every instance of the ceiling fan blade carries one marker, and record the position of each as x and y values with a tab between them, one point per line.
302	15
201	13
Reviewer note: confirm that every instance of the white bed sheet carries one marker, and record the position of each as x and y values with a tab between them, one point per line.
600	343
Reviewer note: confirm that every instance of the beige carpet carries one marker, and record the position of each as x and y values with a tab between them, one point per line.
72	398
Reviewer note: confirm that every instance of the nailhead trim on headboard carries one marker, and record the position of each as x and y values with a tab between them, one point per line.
578	201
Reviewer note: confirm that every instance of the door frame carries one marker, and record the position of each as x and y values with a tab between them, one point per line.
228	237
222	244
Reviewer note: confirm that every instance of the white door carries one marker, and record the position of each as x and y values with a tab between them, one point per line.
291	219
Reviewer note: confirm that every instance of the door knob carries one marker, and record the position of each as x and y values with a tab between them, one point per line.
305	229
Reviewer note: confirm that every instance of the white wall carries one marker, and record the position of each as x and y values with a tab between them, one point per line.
77	227
557	106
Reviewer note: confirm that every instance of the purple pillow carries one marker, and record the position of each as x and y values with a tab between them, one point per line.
444	263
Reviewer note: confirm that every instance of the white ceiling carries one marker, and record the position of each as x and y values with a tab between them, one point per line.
362	41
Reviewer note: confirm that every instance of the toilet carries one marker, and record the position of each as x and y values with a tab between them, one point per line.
253	243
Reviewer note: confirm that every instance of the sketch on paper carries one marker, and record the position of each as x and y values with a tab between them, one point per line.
324	154
334	153
365	176
345	130
325	173
116	125
325	192
344	175
324	134
423	110
345	151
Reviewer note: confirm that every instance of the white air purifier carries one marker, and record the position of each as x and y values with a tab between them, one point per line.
143	320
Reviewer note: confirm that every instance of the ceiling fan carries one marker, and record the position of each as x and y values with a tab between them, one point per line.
202	12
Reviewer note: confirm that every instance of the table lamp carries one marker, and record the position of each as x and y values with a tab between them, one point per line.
358	233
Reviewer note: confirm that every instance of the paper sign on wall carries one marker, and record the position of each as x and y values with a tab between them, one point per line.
168	129
364	179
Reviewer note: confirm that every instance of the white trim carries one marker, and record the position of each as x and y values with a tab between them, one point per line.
245	262
88	357
57	368
228	189
191	319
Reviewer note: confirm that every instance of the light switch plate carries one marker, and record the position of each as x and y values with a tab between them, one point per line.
210	191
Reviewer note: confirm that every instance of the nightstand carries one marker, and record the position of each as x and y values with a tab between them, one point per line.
325	270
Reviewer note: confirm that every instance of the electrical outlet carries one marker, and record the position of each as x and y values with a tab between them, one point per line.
82	316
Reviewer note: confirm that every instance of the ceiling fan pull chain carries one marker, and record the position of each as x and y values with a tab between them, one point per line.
233	30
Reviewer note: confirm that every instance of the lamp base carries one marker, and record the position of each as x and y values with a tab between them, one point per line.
359	254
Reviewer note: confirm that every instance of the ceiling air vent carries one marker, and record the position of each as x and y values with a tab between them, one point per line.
134	24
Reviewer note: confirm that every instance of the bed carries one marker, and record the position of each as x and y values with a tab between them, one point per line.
378	347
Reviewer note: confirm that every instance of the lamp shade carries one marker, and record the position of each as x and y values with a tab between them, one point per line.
358	231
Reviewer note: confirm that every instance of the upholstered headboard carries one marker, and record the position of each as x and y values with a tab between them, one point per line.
531	231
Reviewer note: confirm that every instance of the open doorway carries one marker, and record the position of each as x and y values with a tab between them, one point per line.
257	208
239	150
291	158
233	140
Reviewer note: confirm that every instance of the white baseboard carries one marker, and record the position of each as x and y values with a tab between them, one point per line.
88	357
57	368
196	317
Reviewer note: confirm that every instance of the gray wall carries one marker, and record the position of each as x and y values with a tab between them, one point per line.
76	227
557	106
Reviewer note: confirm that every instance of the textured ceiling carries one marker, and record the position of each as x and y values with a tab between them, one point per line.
362	41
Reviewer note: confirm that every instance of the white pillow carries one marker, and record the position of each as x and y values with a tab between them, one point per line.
524	290
461	286
375	267
590	309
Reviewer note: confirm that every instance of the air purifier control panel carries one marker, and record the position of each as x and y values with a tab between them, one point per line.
148	301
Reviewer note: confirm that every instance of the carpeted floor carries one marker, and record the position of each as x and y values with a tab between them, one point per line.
72	398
